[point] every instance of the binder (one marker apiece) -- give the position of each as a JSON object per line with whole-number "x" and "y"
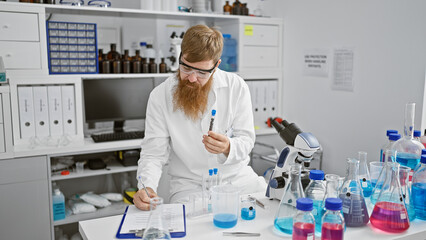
{"x": 41, "y": 111}
{"x": 272, "y": 99}
{"x": 177, "y": 234}
{"x": 55, "y": 110}
{"x": 264, "y": 102}
{"x": 68, "y": 109}
{"x": 26, "y": 112}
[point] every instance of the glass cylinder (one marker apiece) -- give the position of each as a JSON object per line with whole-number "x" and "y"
{"x": 157, "y": 228}
{"x": 364, "y": 175}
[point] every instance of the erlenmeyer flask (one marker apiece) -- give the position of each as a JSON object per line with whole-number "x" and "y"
{"x": 390, "y": 156}
{"x": 157, "y": 228}
{"x": 354, "y": 208}
{"x": 408, "y": 150}
{"x": 404, "y": 175}
{"x": 389, "y": 213}
{"x": 287, "y": 210}
{"x": 364, "y": 175}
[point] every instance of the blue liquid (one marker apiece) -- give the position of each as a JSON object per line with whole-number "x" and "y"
{"x": 317, "y": 212}
{"x": 367, "y": 188}
{"x": 419, "y": 200}
{"x": 408, "y": 159}
{"x": 248, "y": 214}
{"x": 354, "y": 210}
{"x": 225, "y": 220}
{"x": 285, "y": 225}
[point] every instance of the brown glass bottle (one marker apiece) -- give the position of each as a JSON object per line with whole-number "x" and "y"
{"x": 49, "y": 1}
{"x": 116, "y": 65}
{"x": 106, "y": 64}
{"x": 145, "y": 65}
{"x": 244, "y": 9}
{"x": 152, "y": 66}
{"x": 236, "y": 8}
{"x": 126, "y": 62}
{"x": 100, "y": 59}
{"x": 227, "y": 9}
{"x": 113, "y": 52}
{"x": 163, "y": 66}
{"x": 136, "y": 62}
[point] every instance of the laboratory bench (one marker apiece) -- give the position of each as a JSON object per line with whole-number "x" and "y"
{"x": 202, "y": 227}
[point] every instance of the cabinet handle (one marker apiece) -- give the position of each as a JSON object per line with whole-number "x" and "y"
{"x": 8, "y": 55}
{"x": 6, "y": 26}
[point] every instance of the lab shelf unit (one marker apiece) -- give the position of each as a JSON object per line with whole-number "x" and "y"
{"x": 23, "y": 46}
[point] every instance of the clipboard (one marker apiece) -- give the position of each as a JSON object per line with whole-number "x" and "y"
{"x": 120, "y": 235}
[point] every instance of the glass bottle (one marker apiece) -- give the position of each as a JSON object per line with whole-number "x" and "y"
{"x": 393, "y": 137}
{"x": 390, "y": 156}
{"x": 152, "y": 66}
{"x": 331, "y": 191}
{"x": 136, "y": 62}
{"x": 244, "y": 9}
{"x": 354, "y": 207}
{"x": 333, "y": 223}
{"x": 404, "y": 175}
{"x": 126, "y": 62}
{"x": 100, "y": 59}
{"x": 417, "y": 134}
{"x": 163, "y": 66}
{"x": 387, "y": 144}
{"x": 113, "y": 52}
{"x": 58, "y": 201}
{"x": 116, "y": 65}
{"x": 423, "y": 139}
{"x": 419, "y": 189}
{"x": 227, "y": 9}
{"x": 145, "y": 66}
{"x": 408, "y": 151}
{"x": 156, "y": 228}
{"x": 389, "y": 213}
{"x": 106, "y": 64}
{"x": 303, "y": 221}
{"x": 316, "y": 191}
{"x": 236, "y": 8}
{"x": 287, "y": 209}
{"x": 364, "y": 175}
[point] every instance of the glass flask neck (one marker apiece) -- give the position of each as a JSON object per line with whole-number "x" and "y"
{"x": 391, "y": 189}
{"x": 332, "y": 186}
{"x": 410, "y": 109}
{"x": 352, "y": 171}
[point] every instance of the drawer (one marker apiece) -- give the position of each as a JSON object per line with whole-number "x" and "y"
{"x": 255, "y": 57}
{"x": 21, "y": 55}
{"x": 19, "y": 26}
{"x": 23, "y": 169}
{"x": 263, "y": 35}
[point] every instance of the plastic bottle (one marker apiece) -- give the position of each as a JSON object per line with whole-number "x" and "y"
{"x": 149, "y": 52}
{"x": 423, "y": 139}
{"x": 304, "y": 221}
{"x": 58, "y": 200}
{"x": 387, "y": 144}
{"x": 333, "y": 223}
{"x": 142, "y": 46}
{"x": 229, "y": 54}
{"x": 418, "y": 190}
{"x": 316, "y": 191}
{"x": 364, "y": 175}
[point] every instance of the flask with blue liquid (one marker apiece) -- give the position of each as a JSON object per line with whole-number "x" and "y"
{"x": 316, "y": 191}
{"x": 364, "y": 175}
{"x": 387, "y": 144}
{"x": 304, "y": 221}
{"x": 418, "y": 190}
{"x": 333, "y": 223}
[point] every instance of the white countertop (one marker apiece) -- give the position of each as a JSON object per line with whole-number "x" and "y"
{"x": 203, "y": 228}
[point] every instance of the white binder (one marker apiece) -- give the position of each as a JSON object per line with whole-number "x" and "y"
{"x": 55, "y": 110}
{"x": 273, "y": 99}
{"x": 41, "y": 111}
{"x": 26, "y": 112}
{"x": 68, "y": 109}
{"x": 264, "y": 100}
{"x": 254, "y": 103}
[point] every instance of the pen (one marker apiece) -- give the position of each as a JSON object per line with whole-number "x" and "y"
{"x": 143, "y": 185}
{"x": 212, "y": 120}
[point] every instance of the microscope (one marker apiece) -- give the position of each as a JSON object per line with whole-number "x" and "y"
{"x": 175, "y": 49}
{"x": 300, "y": 149}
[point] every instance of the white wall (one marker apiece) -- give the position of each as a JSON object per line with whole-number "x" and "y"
{"x": 389, "y": 39}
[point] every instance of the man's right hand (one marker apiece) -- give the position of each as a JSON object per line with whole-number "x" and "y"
{"x": 141, "y": 200}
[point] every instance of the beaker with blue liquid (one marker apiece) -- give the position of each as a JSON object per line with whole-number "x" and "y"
{"x": 225, "y": 205}
{"x": 408, "y": 150}
{"x": 419, "y": 190}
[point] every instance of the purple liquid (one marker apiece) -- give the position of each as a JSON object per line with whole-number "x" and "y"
{"x": 331, "y": 231}
{"x": 390, "y": 217}
{"x": 354, "y": 210}
{"x": 301, "y": 231}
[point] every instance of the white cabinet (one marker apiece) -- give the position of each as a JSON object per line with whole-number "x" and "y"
{"x": 15, "y": 26}
{"x": 20, "y": 55}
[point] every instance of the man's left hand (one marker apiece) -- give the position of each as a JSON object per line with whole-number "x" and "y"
{"x": 217, "y": 143}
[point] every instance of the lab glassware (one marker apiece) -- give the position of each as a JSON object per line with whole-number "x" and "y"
{"x": 316, "y": 191}
{"x": 408, "y": 150}
{"x": 404, "y": 175}
{"x": 354, "y": 207}
{"x": 375, "y": 169}
{"x": 364, "y": 175}
{"x": 389, "y": 213}
{"x": 304, "y": 221}
{"x": 99, "y": 3}
{"x": 248, "y": 208}
{"x": 287, "y": 209}
{"x": 331, "y": 191}
{"x": 225, "y": 202}
{"x": 387, "y": 144}
{"x": 58, "y": 200}
{"x": 390, "y": 156}
{"x": 72, "y": 2}
{"x": 125, "y": 68}
{"x": 333, "y": 223}
{"x": 156, "y": 228}
{"x": 419, "y": 190}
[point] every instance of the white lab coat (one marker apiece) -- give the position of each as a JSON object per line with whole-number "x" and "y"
{"x": 171, "y": 136}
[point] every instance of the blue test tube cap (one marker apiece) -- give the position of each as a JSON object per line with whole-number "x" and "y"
{"x": 213, "y": 112}
{"x": 394, "y": 136}
{"x": 316, "y": 175}
{"x": 423, "y": 159}
{"x": 226, "y": 35}
{"x": 390, "y": 131}
{"x": 417, "y": 133}
{"x": 334, "y": 204}
{"x": 142, "y": 44}
{"x": 210, "y": 172}
{"x": 304, "y": 204}
{"x": 215, "y": 171}
{"x": 423, "y": 151}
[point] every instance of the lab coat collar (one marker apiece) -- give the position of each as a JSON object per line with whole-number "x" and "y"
{"x": 219, "y": 80}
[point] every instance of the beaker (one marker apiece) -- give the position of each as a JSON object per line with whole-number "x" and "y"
{"x": 364, "y": 175}
{"x": 389, "y": 213}
{"x": 408, "y": 150}
{"x": 375, "y": 169}
{"x": 390, "y": 156}
{"x": 248, "y": 208}
{"x": 225, "y": 201}
{"x": 404, "y": 175}
{"x": 354, "y": 207}
{"x": 156, "y": 228}
{"x": 287, "y": 209}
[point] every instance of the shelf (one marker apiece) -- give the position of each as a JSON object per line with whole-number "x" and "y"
{"x": 131, "y": 75}
{"x": 114, "y": 209}
{"x": 113, "y": 167}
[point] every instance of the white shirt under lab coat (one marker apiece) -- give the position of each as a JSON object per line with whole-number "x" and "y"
{"x": 172, "y": 137}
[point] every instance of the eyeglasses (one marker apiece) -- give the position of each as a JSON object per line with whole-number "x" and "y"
{"x": 201, "y": 73}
